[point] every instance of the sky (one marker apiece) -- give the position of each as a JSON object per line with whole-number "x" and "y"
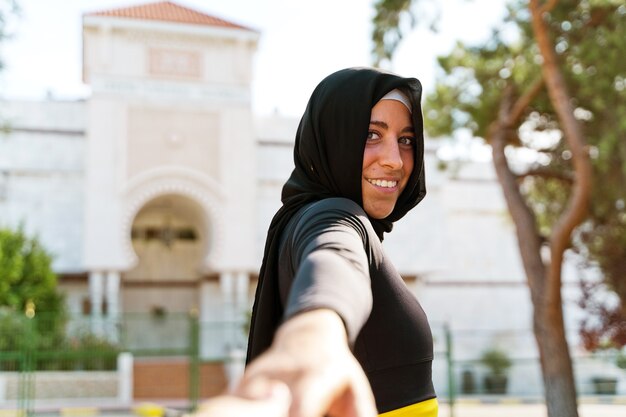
{"x": 301, "y": 42}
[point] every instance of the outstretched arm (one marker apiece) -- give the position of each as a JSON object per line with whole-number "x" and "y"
{"x": 310, "y": 354}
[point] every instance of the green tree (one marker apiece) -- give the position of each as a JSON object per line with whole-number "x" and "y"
{"x": 25, "y": 268}
{"x": 28, "y": 286}
{"x": 558, "y": 89}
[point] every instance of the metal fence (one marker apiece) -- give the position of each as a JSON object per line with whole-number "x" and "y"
{"x": 177, "y": 360}
{"x": 491, "y": 364}
{"x": 47, "y": 361}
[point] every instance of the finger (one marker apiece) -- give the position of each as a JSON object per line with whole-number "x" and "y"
{"x": 278, "y": 392}
{"x": 313, "y": 397}
{"x": 340, "y": 390}
{"x": 275, "y": 403}
{"x": 319, "y": 393}
{"x": 260, "y": 387}
{"x": 362, "y": 401}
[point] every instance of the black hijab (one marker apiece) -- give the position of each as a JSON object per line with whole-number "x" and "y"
{"x": 328, "y": 157}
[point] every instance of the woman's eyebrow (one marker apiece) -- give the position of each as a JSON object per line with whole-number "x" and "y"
{"x": 380, "y": 124}
{"x": 408, "y": 129}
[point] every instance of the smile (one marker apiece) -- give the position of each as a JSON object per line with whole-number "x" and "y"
{"x": 383, "y": 183}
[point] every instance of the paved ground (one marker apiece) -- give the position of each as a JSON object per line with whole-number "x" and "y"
{"x": 461, "y": 410}
{"x": 472, "y": 407}
{"x": 529, "y": 410}
{"x": 500, "y": 410}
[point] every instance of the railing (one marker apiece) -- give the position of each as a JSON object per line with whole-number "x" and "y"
{"x": 177, "y": 360}
{"x": 461, "y": 370}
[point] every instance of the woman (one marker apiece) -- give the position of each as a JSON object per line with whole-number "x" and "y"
{"x": 327, "y": 294}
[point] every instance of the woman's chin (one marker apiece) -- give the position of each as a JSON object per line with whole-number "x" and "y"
{"x": 378, "y": 213}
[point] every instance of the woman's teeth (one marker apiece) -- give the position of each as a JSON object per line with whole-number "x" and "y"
{"x": 383, "y": 183}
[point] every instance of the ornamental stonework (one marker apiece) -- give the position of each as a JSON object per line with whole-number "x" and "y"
{"x": 174, "y": 63}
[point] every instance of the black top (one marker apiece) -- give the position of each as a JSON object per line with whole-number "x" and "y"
{"x": 332, "y": 258}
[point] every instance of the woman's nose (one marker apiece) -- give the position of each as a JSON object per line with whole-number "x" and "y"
{"x": 390, "y": 155}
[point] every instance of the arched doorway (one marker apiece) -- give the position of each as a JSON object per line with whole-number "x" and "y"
{"x": 169, "y": 235}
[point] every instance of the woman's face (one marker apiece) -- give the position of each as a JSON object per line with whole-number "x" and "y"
{"x": 388, "y": 157}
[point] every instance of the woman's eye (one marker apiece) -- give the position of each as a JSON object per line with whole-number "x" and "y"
{"x": 406, "y": 140}
{"x": 371, "y": 135}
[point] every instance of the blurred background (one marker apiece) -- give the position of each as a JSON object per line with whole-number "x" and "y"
{"x": 142, "y": 154}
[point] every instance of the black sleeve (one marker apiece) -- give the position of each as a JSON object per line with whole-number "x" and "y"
{"x": 329, "y": 260}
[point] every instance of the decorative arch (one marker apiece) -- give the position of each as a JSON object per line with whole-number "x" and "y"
{"x": 174, "y": 181}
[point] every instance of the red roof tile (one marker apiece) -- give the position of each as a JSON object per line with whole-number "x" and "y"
{"x": 167, "y": 11}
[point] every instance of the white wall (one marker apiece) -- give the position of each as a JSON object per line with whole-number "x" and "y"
{"x": 41, "y": 170}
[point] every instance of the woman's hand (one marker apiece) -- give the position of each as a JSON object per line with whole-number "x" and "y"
{"x": 266, "y": 399}
{"x": 310, "y": 355}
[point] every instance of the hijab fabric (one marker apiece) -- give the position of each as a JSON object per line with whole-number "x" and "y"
{"x": 328, "y": 158}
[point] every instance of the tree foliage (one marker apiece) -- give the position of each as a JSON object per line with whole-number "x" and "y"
{"x": 395, "y": 17}
{"x": 597, "y": 69}
{"x": 26, "y": 271}
{"x": 387, "y": 29}
{"x": 550, "y": 80}
{"x": 33, "y": 316}
{"x": 589, "y": 37}
{"x": 28, "y": 286}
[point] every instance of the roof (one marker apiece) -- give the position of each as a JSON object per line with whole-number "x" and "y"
{"x": 167, "y": 11}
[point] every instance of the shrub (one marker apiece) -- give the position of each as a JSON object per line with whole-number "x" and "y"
{"x": 496, "y": 360}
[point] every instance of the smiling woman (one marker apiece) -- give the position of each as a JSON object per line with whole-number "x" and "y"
{"x": 388, "y": 156}
{"x": 328, "y": 296}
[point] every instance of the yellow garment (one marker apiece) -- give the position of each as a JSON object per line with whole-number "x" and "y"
{"x": 428, "y": 408}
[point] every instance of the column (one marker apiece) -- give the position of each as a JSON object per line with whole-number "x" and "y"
{"x": 112, "y": 296}
{"x": 207, "y": 318}
{"x": 96, "y": 294}
{"x": 237, "y": 293}
{"x": 113, "y": 293}
{"x": 242, "y": 284}
{"x": 227, "y": 289}
{"x": 125, "y": 378}
{"x": 205, "y": 302}
{"x": 227, "y": 324}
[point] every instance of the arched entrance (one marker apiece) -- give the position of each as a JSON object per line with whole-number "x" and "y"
{"x": 169, "y": 236}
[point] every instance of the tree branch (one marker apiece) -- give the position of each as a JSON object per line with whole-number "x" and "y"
{"x": 577, "y": 206}
{"x": 548, "y": 150}
{"x": 547, "y": 173}
{"x": 522, "y": 103}
{"x": 528, "y": 237}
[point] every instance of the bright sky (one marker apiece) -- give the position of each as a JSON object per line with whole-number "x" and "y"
{"x": 301, "y": 42}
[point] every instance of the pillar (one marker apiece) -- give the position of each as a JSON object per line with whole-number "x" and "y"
{"x": 125, "y": 378}
{"x": 96, "y": 296}
{"x": 242, "y": 284}
{"x": 227, "y": 290}
{"x": 112, "y": 297}
{"x": 113, "y": 294}
{"x": 207, "y": 320}
{"x": 227, "y": 325}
